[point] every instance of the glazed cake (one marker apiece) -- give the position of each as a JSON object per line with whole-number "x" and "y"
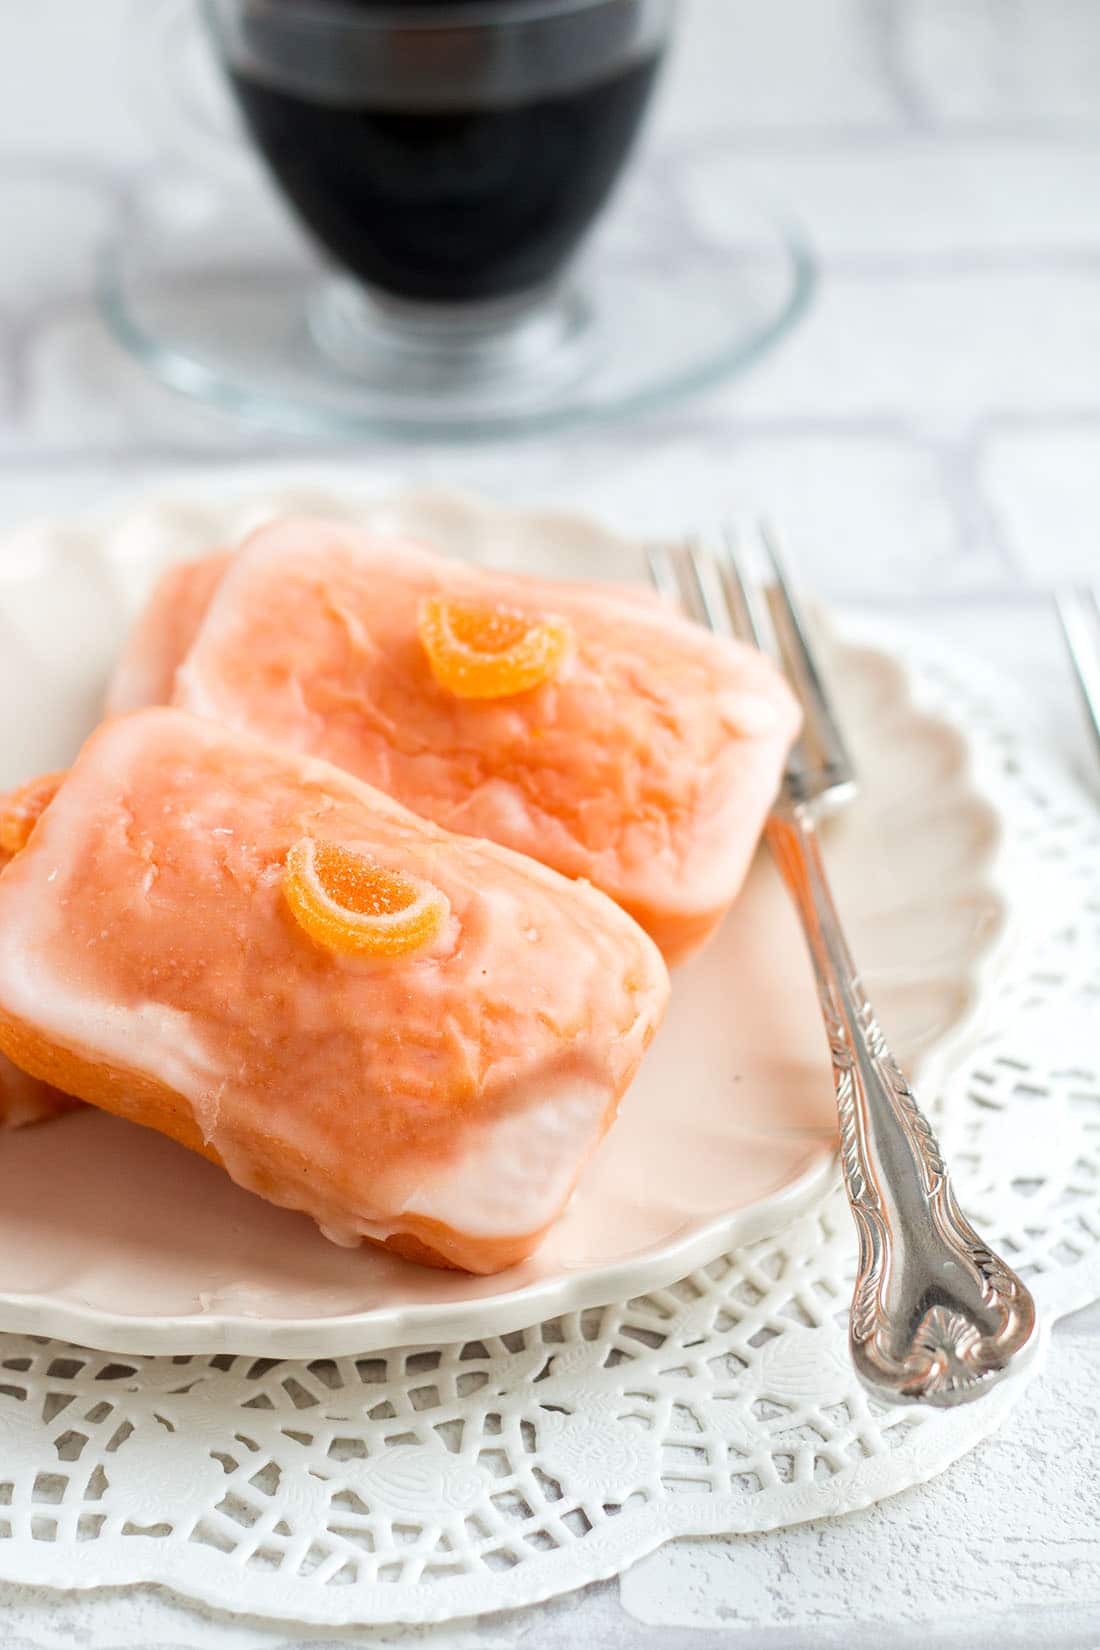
{"x": 584, "y": 725}
{"x": 411, "y": 1036}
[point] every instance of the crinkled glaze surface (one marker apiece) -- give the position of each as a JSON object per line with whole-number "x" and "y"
{"x": 145, "y": 928}
{"x": 646, "y": 765}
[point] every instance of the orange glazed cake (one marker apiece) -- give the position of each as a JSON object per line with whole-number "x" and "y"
{"x": 145, "y": 672}
{"x": 411, "y": 1036}
{"x": 584, "y": 725}
{"x": 23, "y": 1099}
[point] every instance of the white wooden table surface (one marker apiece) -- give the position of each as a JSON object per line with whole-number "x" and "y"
{"x": 930, "y": 437}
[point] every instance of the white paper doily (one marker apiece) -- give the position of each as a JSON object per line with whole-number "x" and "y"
{"x": 450, "y": 1481}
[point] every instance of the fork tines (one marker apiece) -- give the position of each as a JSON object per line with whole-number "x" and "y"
{"x": 717, "y": 585}
{"x": 1079, "y": 614}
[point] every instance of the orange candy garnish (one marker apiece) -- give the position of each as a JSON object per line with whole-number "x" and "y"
{"x": 20, "y": 809}
{"x": 347, "y": 903}
{"x": 489, "y": 652}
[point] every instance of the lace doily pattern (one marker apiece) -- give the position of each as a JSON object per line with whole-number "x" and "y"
{"x": 446, "y": 1481}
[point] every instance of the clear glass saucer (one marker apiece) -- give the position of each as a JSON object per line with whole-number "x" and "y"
{"x": 215, "y": 291}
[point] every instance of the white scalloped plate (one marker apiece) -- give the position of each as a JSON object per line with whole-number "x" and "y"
{"x": 114, "y": 1236}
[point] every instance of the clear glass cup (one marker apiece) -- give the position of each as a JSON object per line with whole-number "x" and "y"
{"x": 450, "y": 160}
{"x": 386, "y": 221}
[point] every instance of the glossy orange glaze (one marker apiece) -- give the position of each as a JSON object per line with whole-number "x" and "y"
{"x": 150, "y": 964}
{"x": 158, "y": 643}
{"x": 20, "y": 810}
{"x": 645, "y": 765}
{"x": 146, "y": 668}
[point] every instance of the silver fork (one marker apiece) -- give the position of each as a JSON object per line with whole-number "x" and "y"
{"x": 936, "y": 1315}
{"x": 1079, "y": 615}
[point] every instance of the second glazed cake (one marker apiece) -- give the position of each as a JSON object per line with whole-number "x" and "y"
{"x": 597, "y": 732}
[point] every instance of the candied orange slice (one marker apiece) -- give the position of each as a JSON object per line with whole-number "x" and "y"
{"x": 347, "y": 903}
{"x": 19, "y": 811}
{"x": 479, "y": 651}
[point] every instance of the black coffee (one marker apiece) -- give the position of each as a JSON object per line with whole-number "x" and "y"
{"x": 450, "y": 204}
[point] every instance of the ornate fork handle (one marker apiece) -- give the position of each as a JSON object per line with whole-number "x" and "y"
{"x": 936, "y": 1315}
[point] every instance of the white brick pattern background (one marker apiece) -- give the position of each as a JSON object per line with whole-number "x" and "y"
{"x": 930, "y": 439}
